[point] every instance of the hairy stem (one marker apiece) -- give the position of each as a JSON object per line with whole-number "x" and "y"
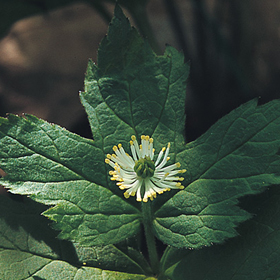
{"x": 150, "y": 238}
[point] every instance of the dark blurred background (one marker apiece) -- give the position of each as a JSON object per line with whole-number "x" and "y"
{"x": 232, "y": 46}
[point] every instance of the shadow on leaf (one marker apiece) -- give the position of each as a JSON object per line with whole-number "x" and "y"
{"x": 23, "y": 228}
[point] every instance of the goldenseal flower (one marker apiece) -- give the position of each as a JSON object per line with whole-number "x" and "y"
{"x": 139, "y": 175}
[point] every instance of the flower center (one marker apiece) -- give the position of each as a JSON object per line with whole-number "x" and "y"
{"x": 144, "y": 167}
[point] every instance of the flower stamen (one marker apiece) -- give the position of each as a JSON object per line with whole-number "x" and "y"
{"x": 139, "y": 175}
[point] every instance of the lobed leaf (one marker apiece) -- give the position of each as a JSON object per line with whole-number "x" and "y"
{"x": 133, "y": 91}
{"x": 40, "y": 268}
{"x": 29, "y": 249}
{"x": 237, "y": 156}
{"x": 56, "y": 167}
{"x": 255, "y": 254}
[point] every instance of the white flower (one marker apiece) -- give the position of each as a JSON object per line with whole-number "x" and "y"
{"x": 139, "y": 175}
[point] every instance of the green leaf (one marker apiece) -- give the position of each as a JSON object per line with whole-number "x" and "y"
{"x": 29, "y": 248}
{"x": 112, "y": 258}
{"x": 66, "y": 271}
{"x": 133, "y": 91}
{"x": 254, "y": 255}
{"x": 56, "y": 167}
{"x": 237, "y": 156}
{"x": 26, "y": 242}
{"x": 39, "y": 268}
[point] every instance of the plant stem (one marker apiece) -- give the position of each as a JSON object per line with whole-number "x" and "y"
{"x": 150, "y": 238}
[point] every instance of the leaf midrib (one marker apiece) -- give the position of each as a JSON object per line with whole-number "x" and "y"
{"x": 235, "y": 149}
{"x": 82, "y": 176}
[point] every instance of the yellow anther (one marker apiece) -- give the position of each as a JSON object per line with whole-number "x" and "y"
{"x": 117, "y": 168}
{"x": 118, "y": 161}
{"x": 126, "y": 195}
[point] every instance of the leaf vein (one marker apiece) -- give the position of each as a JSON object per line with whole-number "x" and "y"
{"x": 51, "y": 159}
{"x": 238, "y": 146}
{"x": 165, "y": 100}
{"x": 114, "y": 113}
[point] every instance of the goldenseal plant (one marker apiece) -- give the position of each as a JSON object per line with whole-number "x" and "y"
{"x": 75, "y": 221}
{"x": 139, "y": 174}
